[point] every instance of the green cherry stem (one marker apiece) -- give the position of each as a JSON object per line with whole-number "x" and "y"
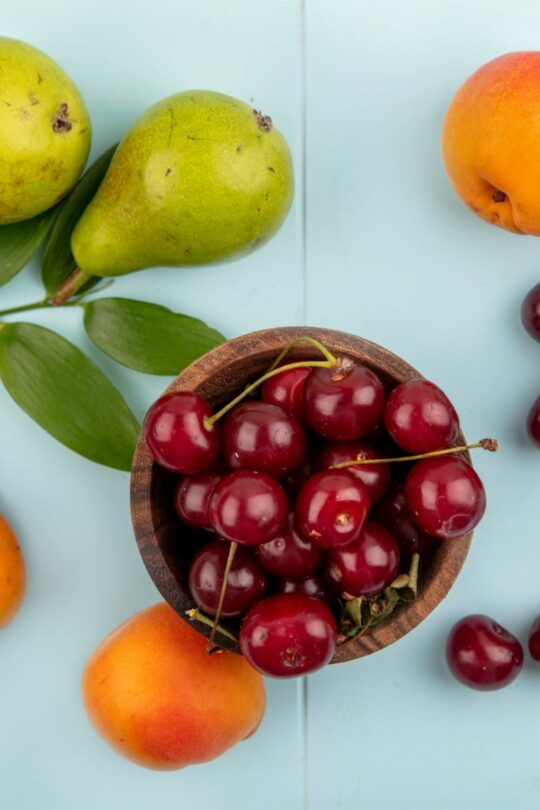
{"x": 484, "y": 444}
{"x": 304, "y": 339}
{"x": 228, "y": 564}
{"x": 197, "y": 615}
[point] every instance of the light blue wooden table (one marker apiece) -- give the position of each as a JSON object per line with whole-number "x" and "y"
{"x": 377, "y": 245}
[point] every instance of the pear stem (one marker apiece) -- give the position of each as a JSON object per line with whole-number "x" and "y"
{"x": 70, "y": 287}
{"x": 46, "y": 303}
{"x": 228, "y": 564}
{"x": 484, "y": 444}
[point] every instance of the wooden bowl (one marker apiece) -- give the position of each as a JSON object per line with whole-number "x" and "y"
{"x": 217, "y": 377}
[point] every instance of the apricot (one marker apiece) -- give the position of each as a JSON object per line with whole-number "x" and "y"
{"x": 154, "y": 694}
{"x": 491, "y": 142}
{"x": 12, "y": 574}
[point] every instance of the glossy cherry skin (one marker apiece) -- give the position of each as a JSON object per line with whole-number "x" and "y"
{"x": 444, "y": 496}
{"x": 533, "y": 423}
{"x": 176, "y": 435}
{"x": 192, "y": 497}
{"x": 375, "y": 477}
{"x": 314, "y": 585}
{"x": 288, "y": 634}
{"x": 248, "y": 507}
{"x": 365, "y": 566}
{"x": 534, "y": 640}
{"x": 482, "y": 654}
{"x": 343, "y": 403}
{"x": 419, "y": 417}
{"x": 286, "y": 390}
{"x": 331, "y": 508}
{"x": 290, "y": 555}
{"x": 392, "y": 513}
{"x": 261, "y": 436}
{"x": 530, "y": 312}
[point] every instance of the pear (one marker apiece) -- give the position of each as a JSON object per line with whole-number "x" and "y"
{"x": 44, "y": 132}
{"x": 201, "y": 177}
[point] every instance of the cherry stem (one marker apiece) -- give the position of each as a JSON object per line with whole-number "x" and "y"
{"x": 70, "y": 287}
{"x": 228, "y": 564}
{"x": 484, "y": 444}
{"x": 197, "y": 615}
{"x": 304, "y": 339}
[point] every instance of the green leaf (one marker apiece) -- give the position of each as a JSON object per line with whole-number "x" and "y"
{"x": 147, "y": 337}
{"x": 19, "y": 242}
{"x": 65, "y": 393}
{"x": 58, "y": 262}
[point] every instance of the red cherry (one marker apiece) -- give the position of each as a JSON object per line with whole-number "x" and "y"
{"x": 482, "y": 654}
{"x": 392, "y": 513}
{"x": 176, "y": 435}
{"x": 444, "y": 496}
{"x": 289, "y": 555}
{"x": 310, "y": 586}
{"x": 286, "y": 390}
{"x": 534, "y": 640}
{"x": 192, "y": 497}
{"x": 246, "y": 584}
{"x": 419, "y": 417}
{"x": 533, "y": 422}
{"x": 375, "y": 477}
{"x": 248, "y": 507}
{"x": 289, "y": 634}
{"x": 343, "y": 403}
{"x": 530, "y": 312}
{"x": 367, "y": 565}
{"x": 260, "y": 436}
{"x": 331, "y": 508}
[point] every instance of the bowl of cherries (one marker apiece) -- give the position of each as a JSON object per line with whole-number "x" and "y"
{"x": 304, "y": 497}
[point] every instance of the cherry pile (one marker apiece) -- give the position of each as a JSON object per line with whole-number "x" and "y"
{"x": 301, "y": 501}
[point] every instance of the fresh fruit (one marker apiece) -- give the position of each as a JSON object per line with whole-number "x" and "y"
{"x": 444, "y": 496}
{"x": 248, "y": 507}
{"x": 534, "y": 640}
{"x": 176, "y": 434}
{"x": 44, "y": 132}
{"x": 201, "y": 177}
{"x": 367, "y": 565}
{"x": 261, "y": 436}
{"x": 192, "y": 497}
{"x": 286, "y": 389}
{"x": 314, "y": 585}
{"x": 12, "y": 574}
{"x": 154, "y": 694}
{"x": 491, "y": 142}
{"x": 419, "y": 417}
{"x": 290, "y": 555}
{"x": 533, "y": 422}
{"x": 392, "y": 513}
{"x": 288, "y": 635}
{"x": 375, "y": 477}
{"x": 530, "y": 312}
{"x": 482, "y": 654}
{"x": 246, "y": 584}
{"x": 331, "y": 508}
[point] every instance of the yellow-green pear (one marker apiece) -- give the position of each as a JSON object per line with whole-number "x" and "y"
{"x": 201, "y": 177}
{"x": 44, "y": 132}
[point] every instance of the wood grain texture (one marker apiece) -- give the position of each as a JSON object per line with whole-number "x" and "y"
{"x": 167, "y": 546}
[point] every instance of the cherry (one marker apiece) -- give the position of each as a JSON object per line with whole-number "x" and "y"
{"x": 289, "y": 555}
{"x": 289, "y": 634}
{"x": 192, "y": 497}
{"x": 444, "y": 496}
{"x": 534, "y": 640}
{"x": 533, "y": 422}
{"x": 248, "y": 507}
{"x": 176, "y": 435}
{"x": 260, "y": 436}
{"x": 419, "y": 417}
{"x": 530, "y": 312}
{"x": 309, "y": 586}
{"x": 286, "y": 390}
{"x": 367, "y": 565}
{"x": 392, "y": 513}
{"x": 246, "y": 584}
{"x": 343, "y": 403}
{"x": 482, "y": 654}
{"x": 331, "y": 508}
{"x": 375, "y": 477}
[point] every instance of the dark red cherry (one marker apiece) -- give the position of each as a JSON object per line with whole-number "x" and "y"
{"x": 530, "y": 312}
{"x": 419, "y": 417}
{"x": 176, "y": 435}
{"x": 192, "y": 497}
{"x": 289, "y": 555}
{"x": 246, "y": 584}
{"x": 289, "y": 634}
{"x": 375, "y": 477}
{"x": 286, "y": 390}
{"x": 367, "y": 565}
{"x": 315, "y": 585}
{"x": 248, "y": 507}
{"x": 482, "y": 654}
{"x": 444, "y": 496}
{"x": 343, "y": 403}
{"x": 534, "y": 640}
{"x": 260, "y": 436}
{"x": 331, "y": 508}
{"x": 392, "y": 513}
{"x": 533, "y": 422}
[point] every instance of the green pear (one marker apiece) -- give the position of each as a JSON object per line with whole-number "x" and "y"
{"x": 44, "y": 132}
{"x": 201, "y": 177}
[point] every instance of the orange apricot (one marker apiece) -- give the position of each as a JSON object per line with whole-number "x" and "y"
{"x": 12, "y": 574}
